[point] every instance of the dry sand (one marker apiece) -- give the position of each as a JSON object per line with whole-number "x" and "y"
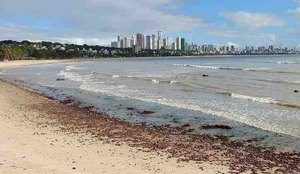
{"x": 28, "y": 145}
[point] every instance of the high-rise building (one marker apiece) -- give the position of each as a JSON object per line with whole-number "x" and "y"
{"x": 169, "y": 43}
{"x": 127, "y": 42}
{"x": 122, "y": 43}
{"x": 178, "y": 43}
{"x": 183, "y": 44}
{"x": 210, "y": 48}
{"x": 154, "y": 42}
{"x": 148, "y": 42}
{"x": 119, "y": 38}
{"x": 132, "y": 41}
{"x": 140, "y": 41}
{"x": 173, "y": 46}
{"x": 232, "y": 48}
{"x": 159, "y": 40}
{"x": 165, "y": 43}
{"x": 114, "y": 44}
{"x": 159, "y": 35}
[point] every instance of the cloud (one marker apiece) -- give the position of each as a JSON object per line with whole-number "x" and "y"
{"x": 295, "y": 12}
{"x": 256, "y": 37}
{"x": 253, "y": 20}
{"x": 100, "y": 19}
{"x": 15, "y": 32}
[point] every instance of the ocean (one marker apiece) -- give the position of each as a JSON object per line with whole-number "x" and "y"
{"x": 255, "y": 95}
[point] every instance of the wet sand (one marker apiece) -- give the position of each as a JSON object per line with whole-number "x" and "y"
{"x": 40, "y": 135}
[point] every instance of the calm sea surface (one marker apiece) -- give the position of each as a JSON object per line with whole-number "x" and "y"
{"x": 253, "y": 94}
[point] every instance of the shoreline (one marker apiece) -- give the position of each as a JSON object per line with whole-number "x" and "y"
{"x": 39, "y": 135}
{"x": 196, "y": 151}
{"x": 18, "y": 63}
{"x": 21, "y": 63}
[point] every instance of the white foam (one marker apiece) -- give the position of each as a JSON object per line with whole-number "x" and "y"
{"x": 197, "y": 66}
{"x": 155, "y": 81}
{"x": 121, "y": 91}
{"x": 285, "y": 62}
{"x": 255, "y": 99}
{"x": 220, "y": 67}
{"x": 72, "y": 67}
{"x": 255, "y": 69}
{"x": 75, "y": 76}
{"x": 173, "y": 81}
{"x": 115, "y": 76}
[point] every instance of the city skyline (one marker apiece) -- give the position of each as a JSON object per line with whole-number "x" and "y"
{"x": 257, "y": 23}
{"x": 158, "y": 42}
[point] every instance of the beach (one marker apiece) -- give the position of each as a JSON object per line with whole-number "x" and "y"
{"x": 30, "y": 143}
{"x": 40, "y": 134}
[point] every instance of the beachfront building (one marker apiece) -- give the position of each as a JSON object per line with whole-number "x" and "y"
{"x": 159, "y": 40}
{"x": 173, "y": 47}
{"x": 154, "y": 42}
{"x": 140, "y": 41}
{"x": 127, "y": 42}
{"x": 114, "y": 44}
{"x": 183, "y": 44}
{"x": 169, "y": 43}
{"x": 148, "y": 42}
{"x": 132, "y": 41}
{"x": 178, "y": 43}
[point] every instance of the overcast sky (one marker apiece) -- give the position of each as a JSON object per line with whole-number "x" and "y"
{"x": 251, "y": 22}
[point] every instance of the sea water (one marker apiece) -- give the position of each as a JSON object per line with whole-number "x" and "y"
{"x": 252, "y": 94}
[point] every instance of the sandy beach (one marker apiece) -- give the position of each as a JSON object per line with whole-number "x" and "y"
{"x": 29, "y": 143}
{"x": 41, "y": 135}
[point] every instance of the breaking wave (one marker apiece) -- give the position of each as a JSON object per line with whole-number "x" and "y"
{"x": 267, "y": 70}
{"x": 265, "y": 100}
{"x": 286, "y": 62}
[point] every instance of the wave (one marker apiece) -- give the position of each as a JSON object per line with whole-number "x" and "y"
{"x": 220, "y": 67}
{"x": 139, "y": 95}
{"x": 115, "y": 76}
{"x": 267, "y": 70}
{"x": 171, "y": 82}
{"x": 286, "y": 62}
{"x": 74, "y": 76}
{"x": 197, "y": 66}
{"x": 155, "y": 81}
{"x": 279, "y": 81}
{"x": 255, "y": 99}
{"x": 72, "y": 67}
{"x": 265, "y": 100}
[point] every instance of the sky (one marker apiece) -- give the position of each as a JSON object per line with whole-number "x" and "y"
{"x": 98, "y": 22}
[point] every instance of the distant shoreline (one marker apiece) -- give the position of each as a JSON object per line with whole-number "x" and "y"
{"x": 26, "y": 62}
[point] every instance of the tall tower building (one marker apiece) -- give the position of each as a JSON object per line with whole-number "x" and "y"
{"x": 169, "y": 43}
{"x": 122, "y": 43}
{"x": 178, "y": 43}
{"x": 154, "y": 42}
{"x": 165, "y": 43}
{"x": 159, "y": 35}
{"x": 119, "y": 40}
{"x": 148, "y": 42}
{"x": 183, "y": 44}
{"x": 173, "y": 46}
{"x": 159, "y": 40}
{"x": 127, "y": 42}
{"x": 140, "y": 41}
{"x": 114, "y": 44}
{"x": 132, "y": 41}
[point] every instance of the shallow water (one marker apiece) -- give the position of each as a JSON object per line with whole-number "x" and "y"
{"x": 253, "y": 94}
